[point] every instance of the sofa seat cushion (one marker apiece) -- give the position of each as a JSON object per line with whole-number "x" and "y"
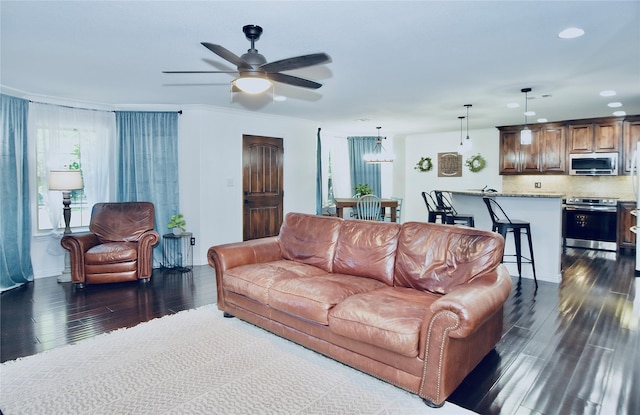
{"x": 313, "y": 297}
{"x": 112, "y": 252}
{"x": 255, "y": 280}
{"x": 389, "y": 318}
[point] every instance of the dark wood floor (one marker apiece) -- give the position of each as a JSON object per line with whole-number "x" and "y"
{"x": 569, "y": 348}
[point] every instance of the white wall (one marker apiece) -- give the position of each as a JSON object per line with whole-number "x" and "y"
{"x": 210, "y": 159}
{"x": 485, "y": 142}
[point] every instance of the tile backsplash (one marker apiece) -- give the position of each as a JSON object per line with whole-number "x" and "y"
{"x": 581, "y": 186}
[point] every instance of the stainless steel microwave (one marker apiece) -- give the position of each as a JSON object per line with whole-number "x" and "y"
{"x": 593, "y": 164}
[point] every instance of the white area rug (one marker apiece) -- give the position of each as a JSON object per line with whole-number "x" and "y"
{"x": 196, "y": 362}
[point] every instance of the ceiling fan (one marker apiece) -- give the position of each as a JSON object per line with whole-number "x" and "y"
{"x": 255, "y": 73}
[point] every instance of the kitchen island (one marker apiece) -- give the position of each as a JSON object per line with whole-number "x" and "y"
{"x": 542, "y": 210}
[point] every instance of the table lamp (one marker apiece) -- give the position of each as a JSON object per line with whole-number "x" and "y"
{"x": 65, "y": 181}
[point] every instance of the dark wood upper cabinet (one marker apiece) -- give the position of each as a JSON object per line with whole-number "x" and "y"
{"x": 554, "y": 141}
{"x": 516, "y": 158}
{"x": 630, "y": 137}
{"x": 545, "y": 154}
{"x": 597, "y": 135}
{"x": 553, "y": 144}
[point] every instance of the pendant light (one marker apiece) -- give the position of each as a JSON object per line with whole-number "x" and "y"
{"x": 461, "y": 145}
{"x": 468, "y": 144}
{"x": 379, "y": 154}
{"x": 525, "y": 135}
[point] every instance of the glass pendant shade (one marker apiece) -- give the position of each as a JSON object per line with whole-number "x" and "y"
{"x": 526, "y": 136}
{"x": 252, "y": 85}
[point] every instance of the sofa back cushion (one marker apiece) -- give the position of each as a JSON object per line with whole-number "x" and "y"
{"x": 309, "y": 239}
{"x": 437, "y": 258}
{"x": 367, "y": 249}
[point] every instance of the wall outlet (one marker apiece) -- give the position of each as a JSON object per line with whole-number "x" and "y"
{"x": 193, "y": 241}
{"x": 538, "y": 185}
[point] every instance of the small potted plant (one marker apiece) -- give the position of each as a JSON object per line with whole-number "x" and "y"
{"x": 363, "y": 189}
{"x": 177, "y": 224}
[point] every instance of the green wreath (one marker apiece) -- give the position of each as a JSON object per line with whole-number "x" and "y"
{"x": 476, "y": 163}
{"x": 425, "y": 164}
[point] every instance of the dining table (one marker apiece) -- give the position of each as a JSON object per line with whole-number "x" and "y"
{"x": 350, "y": 202}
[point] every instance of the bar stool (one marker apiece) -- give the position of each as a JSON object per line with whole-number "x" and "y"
{"x": 433, "y": 213}
{"x": 452, "y": 216}
{"x": 502, "y": 224}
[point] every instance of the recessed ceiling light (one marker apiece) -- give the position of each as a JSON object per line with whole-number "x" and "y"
{"x": 279, "y": 98}
{"x": 607, "y": 93}
{"x": 530, "y": 113}
{"x": 614, "y": 104}
{"x": 619, "y": 113}
{"x": 571, "y": 33}
{"x": 513, "y": 105}
{"x": 542, "y": 120}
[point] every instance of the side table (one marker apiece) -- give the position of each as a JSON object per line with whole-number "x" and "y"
{"x": 177, "y": 251}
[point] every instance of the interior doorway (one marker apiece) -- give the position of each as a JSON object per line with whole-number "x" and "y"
{"x": 262, "y": 186}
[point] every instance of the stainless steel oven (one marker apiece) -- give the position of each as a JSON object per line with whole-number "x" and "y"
{"x": 590, "y": 223}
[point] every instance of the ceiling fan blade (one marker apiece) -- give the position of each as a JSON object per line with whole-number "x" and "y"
{"x": 296, "y": 62}
{"x": 227, "y": 55}
{"x": 199, "y": 71}
{"x": 293, "y": 80}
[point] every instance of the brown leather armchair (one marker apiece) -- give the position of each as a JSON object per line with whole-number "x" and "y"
{"x": 118, "y": 246}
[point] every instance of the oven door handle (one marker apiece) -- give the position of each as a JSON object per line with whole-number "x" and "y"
{"x": 592, "y": 209}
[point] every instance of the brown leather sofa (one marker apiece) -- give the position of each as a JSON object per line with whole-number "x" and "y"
{"x": 417, "y": 305}
{"x": 118, "y": 246}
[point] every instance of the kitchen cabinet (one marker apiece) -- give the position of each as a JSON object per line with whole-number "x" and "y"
{"x": 552, "y": 148}
{"x": 516, "y": 158}
{"x": 626, "y": 238}
{"x": 630, "y": 136}
{"x": 545, "y": 154}
{"x": 595, "y": 135}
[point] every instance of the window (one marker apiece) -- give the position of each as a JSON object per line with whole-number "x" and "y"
{"x": 68, "y": 154}
{"x": 75, "y": 139}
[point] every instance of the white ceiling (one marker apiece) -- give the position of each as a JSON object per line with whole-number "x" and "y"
{"x": 409, "y": 67}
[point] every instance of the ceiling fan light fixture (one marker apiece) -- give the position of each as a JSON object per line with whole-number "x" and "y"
{"x": 252, "y": 85}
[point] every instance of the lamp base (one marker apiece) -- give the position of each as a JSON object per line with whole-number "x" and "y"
{"x": 66, "y": 272}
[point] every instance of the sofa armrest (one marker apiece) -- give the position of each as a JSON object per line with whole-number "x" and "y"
{"x": 224, "y": 257}
{"x": 256, "y": 251}
{"x": 475, "y": 302}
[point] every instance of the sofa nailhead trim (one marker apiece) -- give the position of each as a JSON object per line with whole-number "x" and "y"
{"x": 426, "y": 352}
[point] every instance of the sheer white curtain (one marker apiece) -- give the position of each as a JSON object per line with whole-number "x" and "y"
{"x": 338, "y": 148}
{"x": 50, "y": 130}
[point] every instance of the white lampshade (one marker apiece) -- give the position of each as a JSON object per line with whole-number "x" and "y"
{"x": 525, "y": 136}
{"x": 252, "y": 85}
{"x": 65, "y": 180}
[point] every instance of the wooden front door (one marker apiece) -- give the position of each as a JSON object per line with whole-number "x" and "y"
{"x": 262, "y": 186}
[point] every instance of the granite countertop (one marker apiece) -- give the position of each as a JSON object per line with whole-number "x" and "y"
{"x": 479, "y": 192}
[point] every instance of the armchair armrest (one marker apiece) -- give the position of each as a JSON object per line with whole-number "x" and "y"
{"x": 146, "y": 242}
{"x": 475, "y": 302}
{"x": 77, "y": 244}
